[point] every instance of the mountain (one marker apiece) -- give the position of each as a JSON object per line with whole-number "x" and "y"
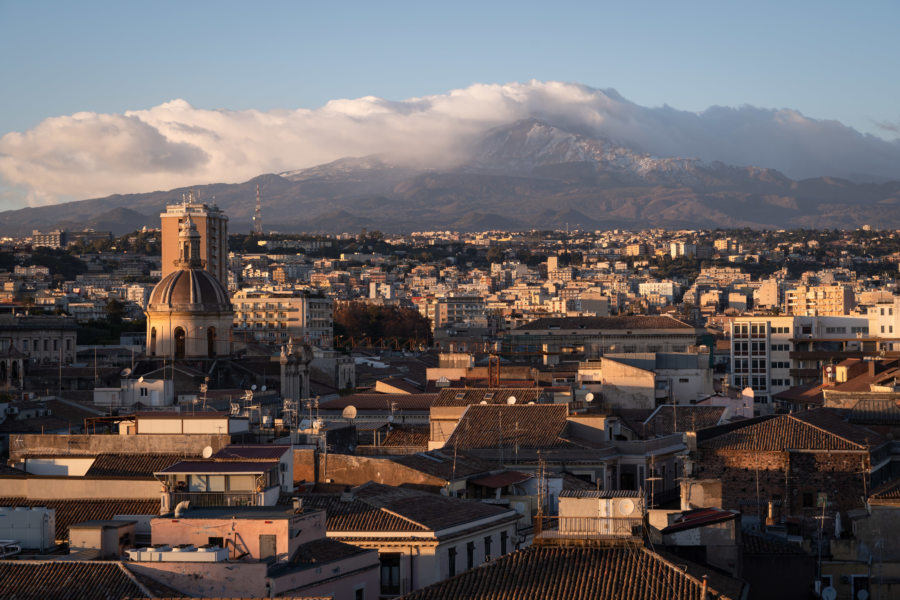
{"x": 529, "y": 174}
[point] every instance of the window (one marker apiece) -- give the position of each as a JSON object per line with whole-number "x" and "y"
{"x": 451, "y": 557}
{"x": 503, "y": 536}
{"x": 487, "y": 548}
{"x": 390, "y": 572}
{"x": 470, "y": 555}
{"x": 359, "y": 593}
{"x": 216, "y": 541}
{"x": 143, "y": 391}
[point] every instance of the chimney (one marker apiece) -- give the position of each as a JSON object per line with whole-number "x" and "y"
{"x": 298, "y": 504}
{"x": 347, "y": 494}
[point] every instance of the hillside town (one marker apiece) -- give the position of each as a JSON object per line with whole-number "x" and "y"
{"x": 681, "y": 414}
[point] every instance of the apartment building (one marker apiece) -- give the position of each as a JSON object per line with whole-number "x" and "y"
{"x": 212, "y": 225}
{"x": 819, "y": 300}
{"x": 772, "y": 354}
{"x": 274, "y": 317}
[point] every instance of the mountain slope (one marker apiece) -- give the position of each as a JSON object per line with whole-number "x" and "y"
{"x": 526, "y": 175}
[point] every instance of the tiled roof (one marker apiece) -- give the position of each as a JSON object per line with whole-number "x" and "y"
{"x": 251, "y": 452}
{"x": 818, "y": 429}
{"x": 809, "y": 394}
{"x": 619, "y": 322}
{"x": 493, "y": 426}
{"x": 595, "y": 493}
{"x": 211, "y": 466}
{"x": 876, "y": 411}
{"x": 66, "y": 580}
{"x": 666, "y": 420}
{"x": 445, "y": 464}
{"x": 700, "y": 517}
{"x": 469, "y": 396}
{"x": 383, "y": 508}
{"x": 407, "y": 436}
{"x": 755, "y": 543}
{"x": 322, "y": 550}
{"x": 888, "y": 492}
{"x": 69, "y": 512}
{"x": 131, "y": 465}
{"x": 564, "y": 573}
{"x": 355, "y": 515}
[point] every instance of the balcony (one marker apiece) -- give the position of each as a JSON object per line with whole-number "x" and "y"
{"x": 209, "y": 499}
{"x": 594, "y": 528}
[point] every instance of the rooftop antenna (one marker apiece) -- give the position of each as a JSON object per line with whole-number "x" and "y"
{"x": 257, "y": 215}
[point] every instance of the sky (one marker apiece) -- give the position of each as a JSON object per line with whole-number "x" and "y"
{"x": 827, "y": 61}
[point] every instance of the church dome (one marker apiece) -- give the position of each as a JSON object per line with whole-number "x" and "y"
{"x": 191, "y": 290}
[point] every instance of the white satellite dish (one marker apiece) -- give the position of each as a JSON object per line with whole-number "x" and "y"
{"x": 253, "y": 387}
{"x": 829, "y": 593}
{"x": 589, "y": 397}
{"x": 125, "y": 372}
{"x": 511, "y": 400}
{"x": 483, "y": 402}
{"x": 141, "y": 379}
{"x": 207, "y": 452}
{"x": 263, "y": 388}
{"x": 349, "y": 412}
{"x": 390, "y": 418}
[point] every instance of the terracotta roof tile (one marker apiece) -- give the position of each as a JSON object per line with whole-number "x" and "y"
{"x": 131, "y": 465}
{"x": 493, "y": 426}
{"x": 563, "y": 573}
{"x": 66, "y": 580}
{"x": 70, "y": 512}
{"x": 818, "y": 429}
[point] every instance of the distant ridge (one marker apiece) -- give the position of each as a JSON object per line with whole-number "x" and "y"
{"x": 527, "y": 175}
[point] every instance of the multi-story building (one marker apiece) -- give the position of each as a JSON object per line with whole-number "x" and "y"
{"x": 772, "y": 354}
{"x": 819, "y": 300}
{"x": 459, "y": 310}
{"x": 41, "y": 339}
{"x": 53, "y": 239}
{"x": 276, "y": 316}
{"x": 212, "y": 225}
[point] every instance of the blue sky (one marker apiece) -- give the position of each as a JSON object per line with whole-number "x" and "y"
{"x": 251, "y": 80}
{"x": 828, "y": 60}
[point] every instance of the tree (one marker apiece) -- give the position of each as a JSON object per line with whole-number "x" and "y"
{"x": 494, "y": 254}
{"x": 115, "y": 311}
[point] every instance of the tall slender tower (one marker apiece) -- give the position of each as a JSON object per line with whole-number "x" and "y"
{"x": 257, "y": 216}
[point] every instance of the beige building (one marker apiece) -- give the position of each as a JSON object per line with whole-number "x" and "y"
{"x": 41, "y": 339}
{"x": 276, "y": 316}
{"x": 819, "y": 300}
{"x": 212, "y": 225}
{"x": 189, "y": 314}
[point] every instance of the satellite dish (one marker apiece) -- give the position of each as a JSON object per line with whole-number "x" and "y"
{"x": 483, "y": 402}
{"x": 349, "y": 412}
{"x": 390, "y": 418}
{"x": 589, "y": 397}
{"x": 263, "y": 388}
{"x": 141, "y": 379}
{"x": 531, "y": 404}
{"x": 207, "y": 452}
{"x": 253, "y": 387}
{"x": 829, "y": 593}
{"x": 626, "y": 507}
{"x": 125, "y": 372}
{"x": 511, "y": 400}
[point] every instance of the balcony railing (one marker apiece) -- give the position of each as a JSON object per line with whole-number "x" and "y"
{"x": 209, "y": 499}
{"x": 590, "y": 527}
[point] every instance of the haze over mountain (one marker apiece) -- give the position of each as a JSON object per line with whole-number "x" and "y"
{"x": 174, "y": 144}
{"x": 524, "y": 175}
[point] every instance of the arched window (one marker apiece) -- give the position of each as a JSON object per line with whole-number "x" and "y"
{"x": 211, "y": 342}
{"x": 180, "y": 341}
{"x": 153, "y": 341}
{"x": 3, "y": 372}
{"x": 15, "y": 371}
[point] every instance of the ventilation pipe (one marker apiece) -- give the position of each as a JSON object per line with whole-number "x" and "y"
{"x": 181, "y": 508}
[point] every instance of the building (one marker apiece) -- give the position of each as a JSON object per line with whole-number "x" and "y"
{"x": 53, "y": 239}
{"x": 189, "y": 314}
{"x": 772, "y": 354}
{"x": 594, "y": 336}
{"x": 275, "y": 317}
{"x": 212, "y": 225}
{"x": 40, "y": 339}
{"x": 819, "y": 300}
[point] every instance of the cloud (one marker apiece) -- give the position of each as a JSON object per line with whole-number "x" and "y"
{"x": 175, "y": 144}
